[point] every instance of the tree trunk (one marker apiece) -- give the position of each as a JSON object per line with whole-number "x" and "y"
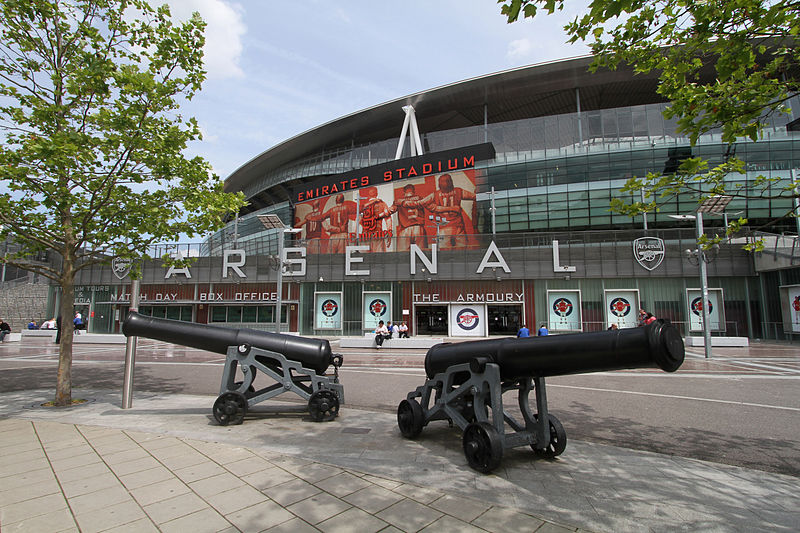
{"x": 64, "y": 378}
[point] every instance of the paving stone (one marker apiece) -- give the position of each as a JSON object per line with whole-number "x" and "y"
{"x": 199, "y": 471}
{"x": 125, "y": 456}
{"x": 422, "y": 495}
{"x": 32, "y": 508}
{"x": 172, "y": 508}
{"x": 76, "y": 461}
{"x": 268, "y": 478}
{"x": 215, "y": 484}
{"x": 291, "y": 492}
{"x": 97, "y": 500}
{"x": 373, "y": 498}
{"x": 319, "y": 508}
{"x": 137, "y": 465}
{"x": 29, "y": 492}
{"x": 203, "y": 521}
{"x": 342, "y": 484}
{"x": 499, "y": 519}
{"x": 163, "y": 490}
{"x": 295, "y": 525}
{"x": 109, "y": 517}
{"x": 51, "y": 522}
{"x": 451, "y": 524}
{"x": 259, "y": 517}
{"x": 235, "y": 499}
{"x": 409, "y": 515}
{"x": 248, "y": 466}
{"x": 145, "y": 477}
{"x": 95, "y": 469}
{"x": 90, "y": 484}
{"x": 352, "y": 520}
{"x": 465, "y": 509}
{"x": 182, "y": 461}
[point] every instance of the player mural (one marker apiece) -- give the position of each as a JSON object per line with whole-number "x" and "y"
{"x": 621, "y": 307}
{"x": 392, "y": 217}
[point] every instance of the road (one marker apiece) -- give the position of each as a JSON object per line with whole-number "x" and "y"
{"x": 742, "y": 407}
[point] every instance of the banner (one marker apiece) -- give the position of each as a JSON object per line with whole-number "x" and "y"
{"x": 716, "y": 309}
{"x": 377, "y": 306}
{"x": 622, "y": 307}
{"x": 328, "y": 310}
{"x": 564, "y": 310}
{"x": 393, "y": 216}
{"x": 790, "y": 307}
{"x": 467, "y": 320}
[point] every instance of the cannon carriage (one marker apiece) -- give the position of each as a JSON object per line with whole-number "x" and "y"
{"x": 295, "y": 364}
{"x": 466, "y": 382}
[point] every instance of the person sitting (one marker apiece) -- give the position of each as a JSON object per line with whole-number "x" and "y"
{"x": 5, "y": 329}
{"x": 542, "y": 331}
{"x": 390, "y": 329}
{"x": 523, "y": 332}
{"x": 402, "y": 330}
{"x": 381, "y": 334}
{"x": 49, "y": 324}
{"x": 33, "y": 325}
{"x": 613, "y": 327}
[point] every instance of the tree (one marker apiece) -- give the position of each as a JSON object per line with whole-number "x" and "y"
{"x": 91, "y": 152}
{"x": 725, "y": 65}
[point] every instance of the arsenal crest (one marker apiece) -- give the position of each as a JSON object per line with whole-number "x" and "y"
{"x": 648, "y": 251}
{"x": 121, "y": 266}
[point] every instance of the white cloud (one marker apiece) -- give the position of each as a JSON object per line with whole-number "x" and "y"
{"x": 224, "y": 33}
{"x": 519, "y": 49}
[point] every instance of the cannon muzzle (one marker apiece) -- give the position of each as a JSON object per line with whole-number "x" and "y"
{"x": 656, "y": 345}
{"x": 311, "y": 353}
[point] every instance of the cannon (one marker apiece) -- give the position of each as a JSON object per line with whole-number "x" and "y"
{"x": 295, "y": 364}
{"x": 466, "y": 382}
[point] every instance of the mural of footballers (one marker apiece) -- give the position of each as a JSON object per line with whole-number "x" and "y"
{"x": 410, "y": 218}
{"x": 311, "y": 225}
{"x": 336, "y": 222}
{"x": 375, "y": 220}
{"x": 457, "y": 208}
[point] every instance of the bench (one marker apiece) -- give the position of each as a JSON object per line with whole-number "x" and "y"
{"x": 368, "y": 341}
{"x": 51, "y": 333}
{"x": 12, "y": 337}
{"x": 738, "y": 342}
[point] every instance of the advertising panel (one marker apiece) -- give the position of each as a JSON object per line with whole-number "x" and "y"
{"x": 377, "y": 306}
{"x": 622, "y": 307}
{"x": 416, "y": 211}
{"x": 716, "y": 309}
{"x": 790, "y": 308}
{"x": 327, "y": 310}
{"x": 467, "y": 320}
{"x": 564, "y": 310}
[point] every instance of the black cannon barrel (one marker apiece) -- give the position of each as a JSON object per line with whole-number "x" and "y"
{"x": 311, "y": 353}
{"x": 656, "y": 345}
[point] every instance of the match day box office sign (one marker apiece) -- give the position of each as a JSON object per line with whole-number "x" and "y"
{"x": 564, "y": 310}
{"x": 790, "y": 308}
{"x": 622, "y": 307}
{"x": 716, "y": 309}
{"x": 376, "y": 306}
{"x": 328, "y": 310}
{"x": 467, "y": 320}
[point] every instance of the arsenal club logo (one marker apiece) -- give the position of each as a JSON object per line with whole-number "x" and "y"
{"x": 467, "y": 319}
{"x": 620, "y": 307}
{"x": 121, "y": 267}
{"x": 329, "y": 308}
{"x": 377, "y": 307}
{"x": 562, "y": 307}
{"x": 697, "y": 306}
{"x": 648, "y": 251}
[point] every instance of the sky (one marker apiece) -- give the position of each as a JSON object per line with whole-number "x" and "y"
{"x": 277, "y": 69}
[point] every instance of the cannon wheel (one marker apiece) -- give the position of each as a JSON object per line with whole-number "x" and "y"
{"x": 323, "y": 405}
{"x": 410, "y": 418}
{"x": 558, "y": 439}
{"x": 483, "y": 446}
{"x": 230, "y": 408}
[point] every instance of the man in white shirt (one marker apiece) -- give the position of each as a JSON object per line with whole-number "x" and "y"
{"x": 381, "y": 334}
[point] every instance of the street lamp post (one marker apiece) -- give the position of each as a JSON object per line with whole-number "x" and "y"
{"x": 274, "y": 222}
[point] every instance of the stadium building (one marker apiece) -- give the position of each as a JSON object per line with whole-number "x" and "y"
{"x": 473, "y": 208}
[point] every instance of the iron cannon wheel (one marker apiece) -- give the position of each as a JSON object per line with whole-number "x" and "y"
{"x": 323, "y": 405}
{"x": 230, "y": 408}
{"x": 483, "y": 446}
{"x": 410, "y": 418}
{"x": 558, "y": 439}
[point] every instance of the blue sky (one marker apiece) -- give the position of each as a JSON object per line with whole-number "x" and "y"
{"x": 277, "y": 69}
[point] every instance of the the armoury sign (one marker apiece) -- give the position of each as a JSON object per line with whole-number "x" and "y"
{"x": 649, "y": 252}
{"x": 410, "y": 167}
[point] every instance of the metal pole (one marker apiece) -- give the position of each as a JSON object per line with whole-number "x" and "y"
{"x": 493, "y": 218}
{"x": 130, "y": 352}
{"x": 279, "y": 282}
{"x": 644, "y": 213}
{"x": 701, "y": 256}
{"x": 796, "y": 201}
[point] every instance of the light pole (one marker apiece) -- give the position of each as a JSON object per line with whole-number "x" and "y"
{"x": 274, "y": 222}
{"x": 714, "y": 205}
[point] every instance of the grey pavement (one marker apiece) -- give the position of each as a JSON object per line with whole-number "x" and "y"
{"x": 165, "y": 465}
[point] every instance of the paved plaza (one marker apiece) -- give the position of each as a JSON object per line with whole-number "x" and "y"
{"x": 165, "y": 465}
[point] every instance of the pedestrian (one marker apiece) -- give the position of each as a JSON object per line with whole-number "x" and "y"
{"x": 523, "y": 332}
{"x": 649, "y": 319}
{"x": 542, "y": 331}
{"x": 32, "y": 325}
{"x": 58, "y": 330}
{"x": 613, "y": 327}
{"x": 78, "y": 323}
{"x": 642, "y": 317}
{"x": 381, "y": 334}
{"x": 5, "y": 329}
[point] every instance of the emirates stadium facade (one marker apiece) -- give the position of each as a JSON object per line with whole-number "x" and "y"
{"x": 498, "y": 217}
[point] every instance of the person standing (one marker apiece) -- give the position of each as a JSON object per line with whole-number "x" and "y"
{"x": 78, "y": 323}
{"x": 58, "y": 329}
{"x": 542, "y": 331}
{"x": 523, "y": 332}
